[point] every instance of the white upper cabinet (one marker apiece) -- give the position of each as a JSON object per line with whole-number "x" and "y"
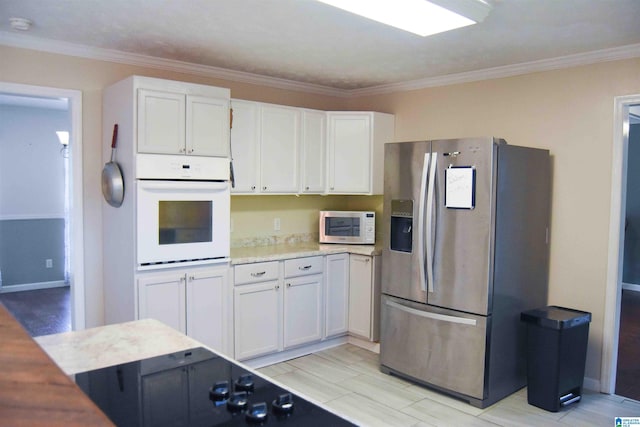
{"x": 179, "y": 123}
{"x": 245, "y": 144}
{"x": 355, "y": 151}
{"x": 207, "y": 123}
{"x": 312, "y": 152}
{"x": 279, "y": 148}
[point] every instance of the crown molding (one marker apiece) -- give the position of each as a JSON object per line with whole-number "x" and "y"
{"x": 110, "y": 55}
{"x": 604, "y": 55}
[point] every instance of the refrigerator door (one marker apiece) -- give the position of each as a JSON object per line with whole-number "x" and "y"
{"x": 405, "y": 172}
{"x": 460, "y": 227}
{"x": 435, "y": 346}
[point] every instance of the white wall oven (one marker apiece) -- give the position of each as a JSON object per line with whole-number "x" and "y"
{"x": 182, "y": 221}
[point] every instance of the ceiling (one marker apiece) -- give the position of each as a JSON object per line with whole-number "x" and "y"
{"x": 314, "y": 44}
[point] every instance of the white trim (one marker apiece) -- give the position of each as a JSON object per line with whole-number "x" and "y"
{"x": 283, "y": 356}
{"x": 30, "y": 217}
{"x": 616, "y": 221}
{"x": 32, "y": 286}
{"x": 631, "y": 287}
{"x": 77, "y": 279}
{"x": 72, "y": 49}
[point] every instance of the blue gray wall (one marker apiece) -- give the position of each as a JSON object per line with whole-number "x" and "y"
{"x": 32, "y": 208}
{"x": 631, "y": 267}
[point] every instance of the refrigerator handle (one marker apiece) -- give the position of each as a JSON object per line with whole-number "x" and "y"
{"x": 430, "y": 220}
{"x": 421, "y": 206}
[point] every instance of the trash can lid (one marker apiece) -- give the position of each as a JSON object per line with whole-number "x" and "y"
{"x": 555, "y": 317}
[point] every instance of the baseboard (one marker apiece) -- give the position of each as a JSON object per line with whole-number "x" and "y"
{"x": 33, "y": 286}
{"x": 366, "y": 344}
{"x": 283, "y": 356}
{"x": 591, "y": 384}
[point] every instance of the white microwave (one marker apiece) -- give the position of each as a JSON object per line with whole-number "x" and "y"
{"x": 351, "y": 227}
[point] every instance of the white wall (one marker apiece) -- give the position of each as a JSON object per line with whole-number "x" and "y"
{"x": 31, "y": 165}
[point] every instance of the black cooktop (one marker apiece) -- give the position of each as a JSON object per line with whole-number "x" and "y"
{"x": 196, "y": 388}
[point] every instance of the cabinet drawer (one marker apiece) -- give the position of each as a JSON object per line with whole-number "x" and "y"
{"x": 303, "y": 266}
{"x": 257, "y": 272}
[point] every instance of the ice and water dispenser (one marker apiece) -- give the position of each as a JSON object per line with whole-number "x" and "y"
{"x": 401, "y": 225}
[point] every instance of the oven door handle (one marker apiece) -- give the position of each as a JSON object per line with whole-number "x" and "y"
{"x": 184, "y": 186}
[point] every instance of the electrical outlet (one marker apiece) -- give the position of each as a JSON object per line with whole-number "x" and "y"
{"x": 276, "y": 224}
{"x": 48, "y": 263}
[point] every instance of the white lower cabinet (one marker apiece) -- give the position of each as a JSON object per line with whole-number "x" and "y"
{"x": 336, "y": 295}
{"x": 257, "y": 314}
{"x": 364, "y": 296}
{"x": 277, "y": 305}
{"x": 302, "y": 310}
{"x": 192, "y": 301}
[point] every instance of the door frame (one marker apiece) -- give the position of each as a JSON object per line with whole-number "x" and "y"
{"x": 76, "y": 216}
{"x": 613, "y": 291}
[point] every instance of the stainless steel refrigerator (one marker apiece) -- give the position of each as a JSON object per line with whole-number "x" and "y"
{"x": 466, "y": 244}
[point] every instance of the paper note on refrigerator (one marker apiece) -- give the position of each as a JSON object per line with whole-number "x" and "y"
{"x": 459, "y": 187}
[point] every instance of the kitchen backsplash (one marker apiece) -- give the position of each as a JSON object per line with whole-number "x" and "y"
{"x": 270, "y": 220}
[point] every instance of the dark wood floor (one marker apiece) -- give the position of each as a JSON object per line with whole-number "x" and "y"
{"x": 628, "y": 376}
{"x": 40, "y": 312}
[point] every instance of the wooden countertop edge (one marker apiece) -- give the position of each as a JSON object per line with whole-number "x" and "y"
{"x": 34, "y": 391}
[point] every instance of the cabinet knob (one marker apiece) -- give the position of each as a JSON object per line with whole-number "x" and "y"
{"x": 190, "y": 150}
{"x": 182, "y": 150}
{"x": 288, "y": 285}
{"x": 264, "y": 188}
{"x": 332, "y": 188}
{"x": 192, "y": 278}
{"x": 253, "y": 187}
{"x": 306, "y": 188}
{"x": 277, "y": 287}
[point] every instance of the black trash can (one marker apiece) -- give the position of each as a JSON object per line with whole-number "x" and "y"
{"x": 556, "y": 354}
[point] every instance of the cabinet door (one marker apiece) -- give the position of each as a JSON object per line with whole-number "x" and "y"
{"x": 349, "y": 153}
{"x": 162, "y": 297}
{"x": 207, "y": 126}
{"x": 257, "y": 314}
{"x": 279, "y": 141}
{"x": 336, "y": 294}
{"x": 161, "y": 122}
{"x": 302, "y": 310}
{"x": 360, "y": 293}
{"x": 245, "y": 141}
{"x": 313, "y": 148}
{"x": 207, "y": 317}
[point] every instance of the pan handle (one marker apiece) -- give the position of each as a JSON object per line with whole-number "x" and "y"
{"x": 115, "y": 136}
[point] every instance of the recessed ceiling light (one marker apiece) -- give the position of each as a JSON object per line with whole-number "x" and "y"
{"x": 420, "y": 17}
{"x": 20, "y": 24}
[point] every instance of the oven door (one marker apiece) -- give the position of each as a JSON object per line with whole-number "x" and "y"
{"x": 180, "y": 221}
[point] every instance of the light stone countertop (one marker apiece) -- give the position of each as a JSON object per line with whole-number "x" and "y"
{"x": 110, "y": 345}
{"x": 251, "y": 254}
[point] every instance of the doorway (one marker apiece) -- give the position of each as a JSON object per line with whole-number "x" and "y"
{"x": 617, "y": 347}
{"x": 70, "y": 265}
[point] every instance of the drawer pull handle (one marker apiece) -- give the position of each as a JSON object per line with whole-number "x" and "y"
{"x": 258, "y": 274}
{"x": 303, "y": 268}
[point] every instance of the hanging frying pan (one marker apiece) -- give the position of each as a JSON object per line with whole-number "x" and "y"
{"x": 112, "y": 183}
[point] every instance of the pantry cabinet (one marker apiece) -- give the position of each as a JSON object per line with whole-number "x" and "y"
{"x": 336, "y": 295}
{"x": 192, "y": 301}
{"x": 180, "y": 123}
{"x": 355, "y": 151}
{"x": 364, "y": 296}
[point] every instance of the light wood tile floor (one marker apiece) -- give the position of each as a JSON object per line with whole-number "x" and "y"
{"x": 347, "y": 380}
